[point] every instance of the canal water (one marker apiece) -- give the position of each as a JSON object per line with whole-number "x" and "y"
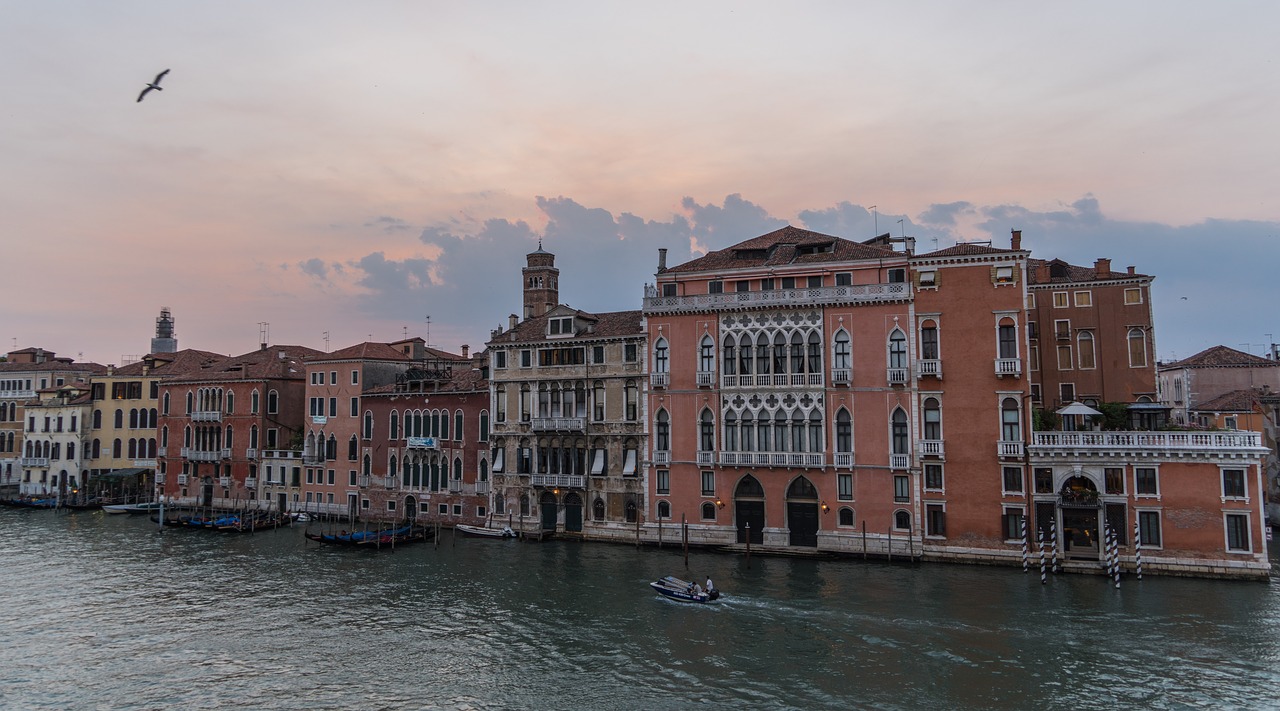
{"x": 104, "y": 612}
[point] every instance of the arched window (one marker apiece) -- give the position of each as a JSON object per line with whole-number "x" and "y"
{"x": 484, "y": 425}
{"x": 253, "y": 402}
{"x": 253, "y": 436}
{"x": 116, "y": 447}
{"x": 815, "y": 431}
{"x": 929, "y": 341}
{"x": 273, "y": 402}
{"x": 228, "y": 444}
{"x": 1010, "y": 426}
{"x": 900, "y": 437}
{"x": 97, "y": 419}
{"x": 707, "y": 355}
{"x": 484, "y": 470}
{"x": 1137, "y": 348}
{"x": 1007, "y": 339}
{"x": 797, "y": 353}
{"x": 745, "y": 355}
{"x": 897, "y": 349}
{"x": 901, "y": 520}
{"x": 133, "y": 418}
{"x": 932, "y": 418}
{"x": 632, "y": 406}
{"x": 664, "y": 509}
{"x": 457, "y": 424}
{"x": 331, "y": 448}
{"x": 730, "y": 431}
{"x": 662, "y": 431}
{"x": 190, "y": 401}
{"x": 165, "y": 403}
{"x": 706, "y": 432}
{"x": 815, "y": 353}
{"x": 779, "y": 353}
{"x": 366, "y": 465}
{"x": 1086, "y": 354}
{"x": 797, "y": 431}
{"x": 133, "y": 448}
{"x": 846, "y": 516}
{"x": 762, "y": 354}
{"x": 844, "y": 431}
{"x": 779, "y": 431}
{"x": 748, "y": 432}
{"x": 368, "y": 424}
{"x": 353, "y": 449}
{"x": 231, "y": 402}
{"x": 708, "y": 511}
{"x": 119, "y": 420}
{"x": 97, "y": 449}
{"x": 394, "y": 427}
{"x": 762, "y": 430}
{"x": 597, "y": 509}
{"x": 729, "y": 357}
{"x": 444, "y": 425}
{"x": 457, "y": 468}
{"x": 661, "y": 362}
{"x": 186, "y": 436}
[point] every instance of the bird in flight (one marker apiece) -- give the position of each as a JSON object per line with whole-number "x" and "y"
{"x": 155, "y": 84}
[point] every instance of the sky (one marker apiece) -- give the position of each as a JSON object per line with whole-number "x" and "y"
{"x": 362, "y": 171}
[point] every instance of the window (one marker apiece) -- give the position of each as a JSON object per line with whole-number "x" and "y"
{"x": 630, "y": 402}
{"x": 669, "y": 289}
{"x": 844, "y": 279}
{"x": 766, "y": 285}
{"x": 706, "y": 432}
{"x": 663, "y": 432}
{"x": 902, "y": 520}
{"x": 1149, "y": 528}
{"x": 597, "y": 355}
{"x": 355, "y": 407}
{"x": 1132, "y": 297}
{"x": 1146, "y": 482}
{"x": 1011, "y": 479}
{"x": 253, "y": 403}
{"x": 899, "y": 432}
{"x": 1064, "y": 357}
{"x": 661, "y": 362}
{"x": 901, "y": 488}
{"x": 815, "y": 282}
{"x": 562, "y": 326}
{"x": 840, "y": 351}
{"x": 1137, "y": 348}
{"x": 664, "y": 481}
{"x": 457, "y": 425}
{"x": 844, "y": 431}
{"x": 706, "y": 355}
{"x": 708, "y": 511}
{"x": 1228, "y": 422}
{"x": 526, "y": 359}
{"x": 788, "y": 282}
{"x": 273, "y": 402}
{"x": 499, "y": 360}
{"x": 741, "y": 286}
{"x": 844, "y": 487}
{"x": 1044, "y": 480}
{"x": 1233, "y": 484}
{"x": 897, "y": 276}
{"x": 1060, "y": 300}
{"x": 1067, "y": 392}
{"x": 1004, "y": 275}
{"x": 935, "y": 519}
{"x": 1238, "y": 538}
{"x": 933, "y": 477}
{"x": 1084, "y": 298}
{"x": 1008, "y": 341}
{"x": 629, "y": 353}
{"x": 1084, "y": 343}
{"x": 708, "y": 483}
{"x": 897, "y": 349}
{"x": 932, "y": 419}
{"x": 1010, "y": 421}
{"x": 928, "y": 279}
{"x": 929, "y": 341}
{"x": 1011, "y": 524}
{"x": 715, "y": 287}
{"x": 1113, "y": 480}
{"x": 845, "y": 517}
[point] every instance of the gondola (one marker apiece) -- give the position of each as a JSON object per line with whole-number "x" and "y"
{"x": 373, "y": 539}
{"x": 683, "y": 590}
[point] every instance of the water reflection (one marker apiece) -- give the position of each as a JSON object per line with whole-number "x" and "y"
{"x": 104, "y": 611}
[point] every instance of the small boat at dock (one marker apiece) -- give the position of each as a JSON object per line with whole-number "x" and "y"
{"x": 484, "y": 532}
{"x": 132, "y": 509}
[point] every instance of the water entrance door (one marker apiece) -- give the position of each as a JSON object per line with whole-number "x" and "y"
{"x": 206, "y": 495}
{"x": 573, "y": 513}
{"x": 548, "y": 503}
{"x": 802, "y": 519}
{"x": 1080, "y": 532}
{"x": 750, "y": 512}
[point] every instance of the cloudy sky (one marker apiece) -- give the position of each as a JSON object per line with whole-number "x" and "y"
{"x": 353, "y": 168}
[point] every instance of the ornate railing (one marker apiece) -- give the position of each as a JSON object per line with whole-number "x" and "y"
{"x": 844, "y": 460}
{"x": 558, "y": 424}
{"x": 1009, "y": 450}
{"x": 930, "y": 447}
{"x": 576, "y": 482}
{"x": 661, "y": 457}
{"x": 1193, "y": 441}
{"x": 810, "y": 296}
{"x": 899, "y": 461}
{"x": 1008, "y": 366}
{"x": 706, "y": 459}
{"x": 659, "y": 380}
{"x": 897, "y": 376}
{"x": 206, "y": 416}
{"x": 706, "y": 378}
{"x": 930, "y": 367}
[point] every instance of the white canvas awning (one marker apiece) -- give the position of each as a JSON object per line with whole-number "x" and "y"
{"x": 629, "y": 464}
{"x": 498, "y": 456}
{"x": 597, "y": 463}
{"x": 1078, "y": 408}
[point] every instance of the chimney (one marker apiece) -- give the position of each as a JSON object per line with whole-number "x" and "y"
{"x": 1042, "y": 274}
{"x": 662, "y": 258}
{"x": 1131, "y": 269}
{"x": 1015, "y": 240}
{"x": 1102, "y": 265}
{"x": 465, "y": 349}
{"x": 513, "y": 320}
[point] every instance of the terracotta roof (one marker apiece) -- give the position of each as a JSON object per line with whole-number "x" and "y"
{"x": 1061, "y": 272}
{"x": 171, "y": 365}
{"x": 609, "y": 324}
{"x": 967, "y": 249}
{"x": 53, "y": 367}
{"x": 1223, "y": 357}
{"x": 1234, "y": 401}
{"x": 460, "y": 380}
{"x": 369, "y": 350}
{"x": 275, "y": 362}
{"x": 789, "y": 245}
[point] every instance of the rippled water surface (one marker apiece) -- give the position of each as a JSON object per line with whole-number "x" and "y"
{"x": 104, "y": 612}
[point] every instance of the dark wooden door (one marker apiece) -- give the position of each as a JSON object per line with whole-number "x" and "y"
{"x": 750, "y": 512}
{"x": 802, "y": 519}
{"x": 548, "y": 515}
{"x": 572, "y": 513}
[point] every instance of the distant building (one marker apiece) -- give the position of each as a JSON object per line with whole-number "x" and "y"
{"x": 23, "y": 374}
{"x": 1185, "y": 384}
{"x": 166, "y": 341}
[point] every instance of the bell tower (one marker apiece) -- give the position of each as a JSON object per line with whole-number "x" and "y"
{"x": 541, "y": 283}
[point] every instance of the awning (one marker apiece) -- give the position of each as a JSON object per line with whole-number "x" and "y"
{"x": 122, "y": 473}
{"x": 629, "y": 464}
{"x": 1078, "y": 408}
{"x": 597, "y": 463}
{"x": 497, "y": 460}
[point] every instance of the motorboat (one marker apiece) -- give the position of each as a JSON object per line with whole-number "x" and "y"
{"x": 484, "y": 532}
{"x": 683, "y": 590}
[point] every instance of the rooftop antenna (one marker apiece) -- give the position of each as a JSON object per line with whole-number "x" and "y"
{"x": 406, "y": 332}
{"x": 428, "y": 343}
{"x": 264, "y": 330}
{"x": 326, "y": 341}
{"x": 875, "y": 217}
{"x": 902, "y": 228}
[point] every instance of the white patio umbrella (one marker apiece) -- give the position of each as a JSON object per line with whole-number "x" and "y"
{"x": 1078, "y": 408}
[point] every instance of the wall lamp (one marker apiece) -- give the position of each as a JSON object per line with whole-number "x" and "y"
{"x": 825, "y": 508}
{"x": 719, "y": 504}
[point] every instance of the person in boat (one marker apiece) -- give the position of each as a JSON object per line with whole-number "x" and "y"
{"x": 710, "y": 587}
{"x": 697, "y": 589}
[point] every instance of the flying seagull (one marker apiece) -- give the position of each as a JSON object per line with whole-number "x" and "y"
{"x": 155, "y": 84}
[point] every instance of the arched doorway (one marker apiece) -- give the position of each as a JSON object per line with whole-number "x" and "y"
{"x": 802, "y": 513}
{"x": 1079, "y": 504}
{"x": 410, "y": 509}
{"x": 206, "y": 492}
{"x": 748, "y": 506}
{"x": 548, "y": 505}
{"x": 572, "y": 512}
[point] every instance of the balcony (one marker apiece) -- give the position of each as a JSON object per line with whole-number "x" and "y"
{"x": 706, "y": 459}
{"x": 844, "y": 460}
{"x": 1009, "y": 450}
{"x": 1147, "y": 443}
{"x": 183, "y": 479}
{"x": 422, "y": 443}
{"x": 772, "y": 459}
{"x": 29, "y": 462}
{"x": 162, "y": 451}
{"x": 841, "y": 376}
{"x": 789, "y": 298}
{"x": 706, "y": 378}
{"x": 659, "y": 380}
{"x": 930, "y": 447}
{"x": 313, "y": 458}
{"x": 482, "y": 487}
{"x": 17, "y": 394}
{"x": 200, "y": 455}
{"x": 251, "y": 482}
{"x": 897, "y": 376}
{"x": 900, "y": 461}
{"x": 144, "y": 463}
{"x": 1008, "y": 366}
{"x": 251, "y": 453}
{"x": 206, "y": 416}
{"x": 775, "y": 380}
{"x": 573, "y": 482}
{"x": 559, "y": 424}
{"x": 929, "y": 367}
{"x": 661, "y": 457}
